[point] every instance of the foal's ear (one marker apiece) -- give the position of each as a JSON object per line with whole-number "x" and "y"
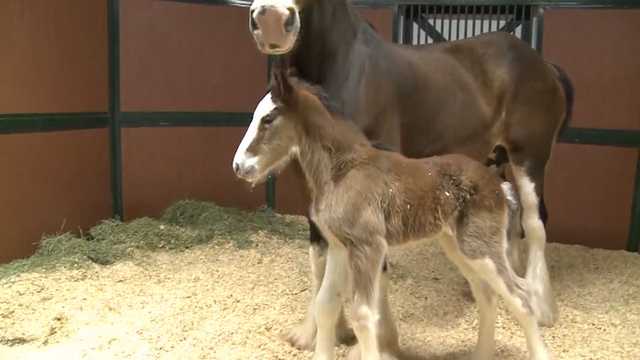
{"x": 281, "y": 88}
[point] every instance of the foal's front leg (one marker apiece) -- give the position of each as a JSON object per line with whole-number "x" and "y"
{"x": 328, "y": 302}
{"x": 303, "y": 336}
{"x": 366, "y": 269}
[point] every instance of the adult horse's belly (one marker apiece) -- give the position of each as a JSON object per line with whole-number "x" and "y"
{"x": 470, "y": 136}
{"x": 427, "y": 111}
{"x": 434, "y": 128}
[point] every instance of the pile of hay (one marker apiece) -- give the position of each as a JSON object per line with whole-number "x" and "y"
{"x": 205, "y": 282}
{"x": 185, "y": 224}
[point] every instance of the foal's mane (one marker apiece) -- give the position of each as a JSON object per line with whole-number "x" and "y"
{"x": 324, "y": 121}
{"x": 342, "y": 131}
{"x": 324, "y": 98}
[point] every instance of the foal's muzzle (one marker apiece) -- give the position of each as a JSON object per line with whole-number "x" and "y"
{"x": 274, "y": 27}
{"x": 244, "y": 171}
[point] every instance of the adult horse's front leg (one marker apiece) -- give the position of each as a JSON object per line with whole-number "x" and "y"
{"x": 303, "y": 336}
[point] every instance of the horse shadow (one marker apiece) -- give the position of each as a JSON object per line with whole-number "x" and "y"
{"x": 505, "y": 352}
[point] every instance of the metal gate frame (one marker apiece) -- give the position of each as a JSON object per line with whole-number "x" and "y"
{"x": 116, "y": 119}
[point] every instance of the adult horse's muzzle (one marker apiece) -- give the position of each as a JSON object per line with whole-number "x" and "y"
{"x": 275, "y": 25}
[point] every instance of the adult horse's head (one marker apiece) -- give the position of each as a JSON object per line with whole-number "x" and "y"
{"x": 275, "y": 25}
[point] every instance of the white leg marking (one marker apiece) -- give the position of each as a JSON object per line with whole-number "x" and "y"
{"x": 365, "y": 324}
{"x": 537, "y": 274}
{"x": 328, "y": 302}
{"x": 487, "y": 306}
{"x": 487, "y": 271}
{"x": 303, "y": 336}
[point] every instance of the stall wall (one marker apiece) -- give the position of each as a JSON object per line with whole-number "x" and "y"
{"x": 53, "y": 59}
{"x": 589, "y": 189}
{"x": 185, "y": 57}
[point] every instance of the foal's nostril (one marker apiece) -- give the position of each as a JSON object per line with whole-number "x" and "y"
{"x": 288, "y": 24}
{"x": 249, "y": 171}
{"x": 236, "y": 167}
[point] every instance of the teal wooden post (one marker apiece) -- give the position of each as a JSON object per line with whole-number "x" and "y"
{"x": 113, "y": 19}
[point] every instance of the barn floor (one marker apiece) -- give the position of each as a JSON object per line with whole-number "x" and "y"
{"x": 219, "y": 300}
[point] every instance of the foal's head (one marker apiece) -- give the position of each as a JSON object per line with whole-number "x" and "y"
{"x": 282, "y": 121}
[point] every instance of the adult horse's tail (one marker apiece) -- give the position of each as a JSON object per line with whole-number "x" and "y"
{"x": 567, "y": 87}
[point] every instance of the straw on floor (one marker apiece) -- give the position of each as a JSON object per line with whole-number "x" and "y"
{"x": 205, "y": 282}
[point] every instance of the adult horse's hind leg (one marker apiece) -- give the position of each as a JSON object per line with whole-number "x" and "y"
{"x": 533, "y": 117}
{"x": 303, "y": 336}
{"x": 529, "y": 181}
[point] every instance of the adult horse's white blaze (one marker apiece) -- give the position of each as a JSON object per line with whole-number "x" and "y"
{"x": 275, "y": 25}
{"x": 245, "y": 164}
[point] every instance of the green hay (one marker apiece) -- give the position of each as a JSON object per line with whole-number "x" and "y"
{"x": 185, "y": 224}
{"x": 230, "y": 224}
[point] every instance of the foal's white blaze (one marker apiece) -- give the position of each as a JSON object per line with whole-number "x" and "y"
{"x": 243, "y": 158}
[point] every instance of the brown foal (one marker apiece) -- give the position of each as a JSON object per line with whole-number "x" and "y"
{"x": 365, "y": 199}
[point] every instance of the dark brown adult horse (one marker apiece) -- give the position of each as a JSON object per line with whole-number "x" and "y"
{"x": 465, "y": 97}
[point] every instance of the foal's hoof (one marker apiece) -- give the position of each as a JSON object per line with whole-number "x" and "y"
{"x": 467, "y": 294}
{"x": 546, "y": 311}
{"x": 345, "y": 336}
{"x": 301, "y": 337}
{"x": 547, "y": 319}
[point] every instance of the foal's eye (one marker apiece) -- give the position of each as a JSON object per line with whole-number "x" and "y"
{"x": 268, "y": 119}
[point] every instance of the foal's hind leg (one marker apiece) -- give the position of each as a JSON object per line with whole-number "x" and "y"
{"x": 483, "y": 293}
{"x": 498, "y": 274}
{"x": 487, "y": 307}
{"x": 303, "y": 336}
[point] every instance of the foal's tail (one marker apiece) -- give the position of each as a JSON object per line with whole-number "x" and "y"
{"x": 567, "y": 86}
